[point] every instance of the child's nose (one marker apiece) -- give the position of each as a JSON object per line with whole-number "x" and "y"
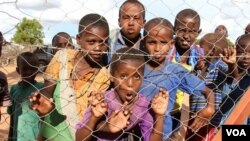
{"x": 130, "y": 82}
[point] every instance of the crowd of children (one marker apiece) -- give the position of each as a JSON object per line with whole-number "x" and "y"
{"x": 127, "y": 85}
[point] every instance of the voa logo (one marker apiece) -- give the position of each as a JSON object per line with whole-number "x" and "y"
{"x": 236, "y": 132}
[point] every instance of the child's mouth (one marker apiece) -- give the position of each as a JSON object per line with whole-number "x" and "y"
{"x": 129, "y": 96}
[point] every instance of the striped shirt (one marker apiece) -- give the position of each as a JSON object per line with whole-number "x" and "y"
{"x": 215, "y": 79}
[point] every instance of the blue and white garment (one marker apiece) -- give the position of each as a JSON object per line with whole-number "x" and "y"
{"x": 170, "y": 77}
{"x": 195, "y": 54}
{"x": 117, "y": 42}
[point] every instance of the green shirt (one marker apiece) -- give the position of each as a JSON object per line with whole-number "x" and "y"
{"x": 24, "y": 123}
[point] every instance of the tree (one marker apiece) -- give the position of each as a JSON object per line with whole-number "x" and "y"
{"x": 29, "y": 32}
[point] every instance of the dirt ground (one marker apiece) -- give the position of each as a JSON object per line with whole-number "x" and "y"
{"x": 13, "y": 78}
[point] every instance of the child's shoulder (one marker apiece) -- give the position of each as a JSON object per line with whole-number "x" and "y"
{"x": 39, "y": 84}
{"x": 174, "y": 68}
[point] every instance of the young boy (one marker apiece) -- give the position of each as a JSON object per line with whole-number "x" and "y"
{"x": 131, "y": 20}
{"x": 122, "y": 107}
{"x": 160, "y": 73}
{"x": 24, "y": 123}
{"x": 62, "y": 40}
{"x": 221, "y": 29}
{"x": 214, "y": 71}
{"x": 242, "y": 69}
{"x": 185, "y": 51}
{"x": 70, "y": 77}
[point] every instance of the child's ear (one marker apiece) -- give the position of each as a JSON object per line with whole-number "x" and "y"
{"x": 17, "y": 70}
{"x": 199, "y": 31}
{"x": 119, "y": 22}
{"x": 144, "y": 21}
{"x": 78, "y": 39}
{"x": 111, "y": 78}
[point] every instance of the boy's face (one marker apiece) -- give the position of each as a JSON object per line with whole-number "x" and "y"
{"x": 221, "y": 30}
{"x": 131, "y": 20}
{"x": 27, "y": 72}
{"x": 186, "y": 30}
{"x": 243, "y": 55}
{"x": 208, "y": 50}
{"x": 158, "y": 42}
{"x": 127, "y": 79}
{"x": 94, "y": 40}
{"x": 63, "y": 42}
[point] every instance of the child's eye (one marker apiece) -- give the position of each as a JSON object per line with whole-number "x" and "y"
{"x": 137, "y": 77}
{"x": 91, "y": 42}
{"x": 123, "y": 76}
{"x": 164, "y": 43}
{"x": 151, "y": 42}
{"x": 125, "y": 17}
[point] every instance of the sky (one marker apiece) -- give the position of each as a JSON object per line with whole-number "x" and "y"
{"x": 64, "y": 15}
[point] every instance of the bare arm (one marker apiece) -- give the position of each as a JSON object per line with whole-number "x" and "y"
{"x": 205, "y": 114}
{"x": 85, "y": 133}
{"x": 159, "y": 105}
{"x": 42, "y": 101}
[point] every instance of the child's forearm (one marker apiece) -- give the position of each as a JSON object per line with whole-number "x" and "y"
{"x": 157, "y": 131}
{"x": 48, "y": 89}
{"x": 209, "y": 94}
{"x": 85, "y": 133}
{"x": 233, "y": 70}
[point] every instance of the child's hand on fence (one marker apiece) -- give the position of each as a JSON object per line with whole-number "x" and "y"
{"x": 41, "y": 104}
{"x": 98, "y": 105}
{"x": 229, "y": 55}
{"x": 160, "y": 102}
{"x": 200, "y": 65}
{"x": 119, "y": 119}
{"x": 201, "y": 119}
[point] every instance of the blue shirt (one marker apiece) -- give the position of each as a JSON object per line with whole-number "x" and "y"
{"x": 195, "y": 54}
{"x": 170, "y": 77}
{"x": 117, "y": 43}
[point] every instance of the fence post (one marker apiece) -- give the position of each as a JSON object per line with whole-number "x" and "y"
{"x": 239, "y": 114}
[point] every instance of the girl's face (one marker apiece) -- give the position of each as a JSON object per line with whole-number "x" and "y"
{"x": 94, "y": 42}
{"x": 187, "y": 30}
{"x": 127, "y": 79}
{"x": 158, "y": 42}
{"x": 243, "y": 55}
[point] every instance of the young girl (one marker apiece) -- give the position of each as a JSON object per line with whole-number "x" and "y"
{"x": 114, "y": 114}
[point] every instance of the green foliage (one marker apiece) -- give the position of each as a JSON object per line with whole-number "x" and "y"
{"x": 29, "y": 32}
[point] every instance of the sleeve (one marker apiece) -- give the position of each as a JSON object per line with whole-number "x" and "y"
{"x": 146, "y": 125}
{"x": 85, "y": 118}
{"x": 52, "y": 70}
{"x": 10, "y": 108}
{"x": 188, "y": 82}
